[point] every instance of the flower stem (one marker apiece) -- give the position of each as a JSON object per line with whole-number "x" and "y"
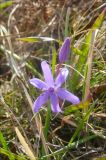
{"x": 47, "y": 121}
{"x": 46, "y": 128}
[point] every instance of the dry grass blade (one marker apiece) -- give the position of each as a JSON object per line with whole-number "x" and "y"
{"x": 89, "y": 68}
{"x": 24, "y": 144}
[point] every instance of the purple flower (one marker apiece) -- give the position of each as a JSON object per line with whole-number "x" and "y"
{"x": 51, "y": 89}
{"x": 64, "y": 50}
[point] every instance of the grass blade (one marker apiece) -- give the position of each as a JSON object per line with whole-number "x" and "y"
{"x": 24, "y": 144}
{"x": 5, "y": 4}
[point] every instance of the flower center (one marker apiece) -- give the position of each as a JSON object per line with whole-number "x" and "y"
{"x": 51, "y": 89}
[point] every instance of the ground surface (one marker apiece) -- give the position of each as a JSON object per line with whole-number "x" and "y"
{"x": 48, "y": 18}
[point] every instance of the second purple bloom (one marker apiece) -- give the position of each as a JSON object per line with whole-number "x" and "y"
{"x": 64, "y": 50}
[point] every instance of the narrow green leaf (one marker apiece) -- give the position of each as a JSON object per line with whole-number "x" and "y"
{"x": 76, "y": 51}
{"x": 99, "y": 20}
{"x": 47, "y": 121}
{"x": 36, "y": 39}
{"x": 76, "y": 107}
{"x": 5, "y": 146}
{"x": 5, "y": 4}
{"x": 3, "y": 141}
{"x": 54, "y": 56}
{"x": 9, "y": 153}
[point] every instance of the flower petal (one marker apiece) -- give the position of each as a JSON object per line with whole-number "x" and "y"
{"x": 55, "y": 103}
{"x": 47, "y": 73}
{"x": 40, "y": 101}
{"x": 61, "y": 78}
{"x": 66, "y": 95}
{"x": 64, "y": 50}
{"x": 38, "y": 83}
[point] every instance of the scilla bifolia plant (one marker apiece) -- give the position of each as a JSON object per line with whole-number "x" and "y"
{"x": 51, "y": 89}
